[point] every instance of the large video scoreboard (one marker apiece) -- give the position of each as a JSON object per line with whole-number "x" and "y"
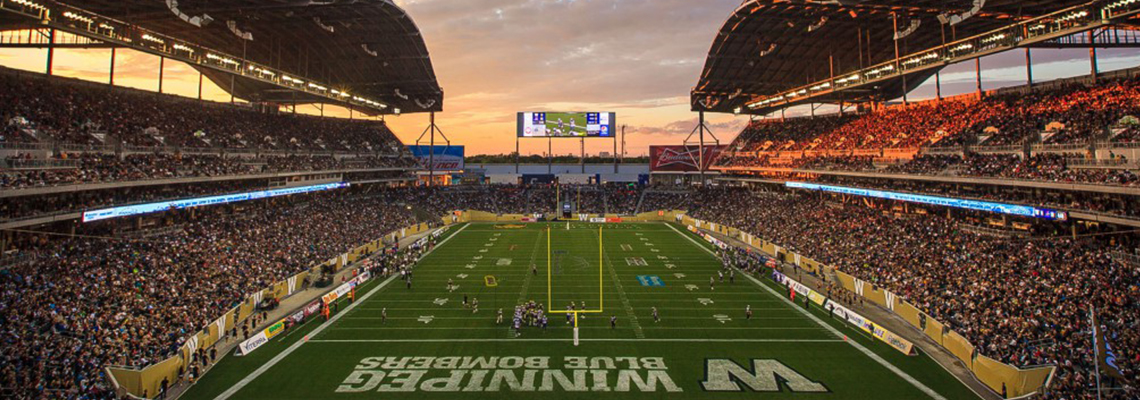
{"x": 566, "y": 124}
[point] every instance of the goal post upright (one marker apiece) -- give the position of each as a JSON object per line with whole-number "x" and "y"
{"x": 549, "y": 273}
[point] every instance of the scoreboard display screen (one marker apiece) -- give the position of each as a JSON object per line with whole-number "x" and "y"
{"x": 566, "y": 124}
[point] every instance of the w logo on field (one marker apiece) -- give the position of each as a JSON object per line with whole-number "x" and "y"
{"x": 627, "y": 247}
{"x": 650, "y": 280}
{"x": 636, "y": 261}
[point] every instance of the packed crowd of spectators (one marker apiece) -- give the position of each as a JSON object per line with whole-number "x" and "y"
{"x": 1073, "y": 113}
{"x": 42, "y": 205}
{"x": 45, "y": 109}
{"x": 622, "y": 199}
{"x": 88, "y": 168}
{"x": 776, "y": 135}
{"x": 664, "y": 199}
{"x": 1022, "y": 302}
{"x": 1045, "y": 167}
{"x": 1115, "y": 204}
{"x": 88, "y": 302}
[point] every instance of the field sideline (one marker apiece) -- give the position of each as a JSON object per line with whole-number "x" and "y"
{"x": 433, "y": 347}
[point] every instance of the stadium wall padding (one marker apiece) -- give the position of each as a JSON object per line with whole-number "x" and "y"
{"x": 483, "y": 216}
{"x": 994, "y": 374}
{"x": 148, "y": 380}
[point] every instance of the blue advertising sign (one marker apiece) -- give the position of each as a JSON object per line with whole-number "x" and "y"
{"x": 1000, "y": 208}
{"x": 447, "y": 158}
{"x": 126, "y": 211}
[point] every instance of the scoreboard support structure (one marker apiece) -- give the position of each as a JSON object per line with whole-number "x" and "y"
{"x": 433, "y": 128}
{"x": 700, "y": 130}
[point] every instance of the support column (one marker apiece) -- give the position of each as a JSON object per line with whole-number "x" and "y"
{"x": 701, "y": 147}
{"x": 549, "y": 155}
{"x": 516, "y": 154}
{"x": 199, "y": 85}
{"x": 161, "y": 67}
{"x": 978, "y": 74}
{"x": 1029, "y": 67}
{"x": 582, "y": 160}
{"x": 1094, "y": 70}
{"x": 615, "y": 150}
{"x": 111, "y": 78}
{"x": 50, "y": 51}
{"x": 431, "y": 151}
{"x": 898, "y": 61}
{"x": 938, "y": 84}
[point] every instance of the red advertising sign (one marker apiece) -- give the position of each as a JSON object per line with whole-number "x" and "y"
{"x": 681, "y": 158}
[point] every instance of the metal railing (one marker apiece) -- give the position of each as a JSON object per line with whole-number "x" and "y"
{"x": 105, "y": 29}
{"x": 1130, "y": 259}
{"x": 20, "y": 163}
{"x": 1046, "y": 27}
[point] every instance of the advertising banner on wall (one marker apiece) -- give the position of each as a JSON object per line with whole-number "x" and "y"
{"x": 446, "y": 158}
{"x": 681, "y": 158}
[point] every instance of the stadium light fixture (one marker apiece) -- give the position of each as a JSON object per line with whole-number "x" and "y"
{"x": 76, "y": 17}
{"x": 1074, "y": 16}
{"x": 30, "y": 4}
{"x": 150, "y": 38}
{"x": 180, "y": 46}
{"x": 994, "y": 38}
{"x": 1120, "y": 4}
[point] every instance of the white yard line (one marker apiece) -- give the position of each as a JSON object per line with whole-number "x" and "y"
{"x": 509, "y": 315}
{"x": 655, "y": 328}
{"x": 870, "y": 354}
{"x": 571, "y": 340}
{"x": 624, "y": 299}
{"x": 289, "y": 350}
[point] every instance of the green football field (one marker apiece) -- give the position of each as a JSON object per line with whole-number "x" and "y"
{"x": 433, "y": 347}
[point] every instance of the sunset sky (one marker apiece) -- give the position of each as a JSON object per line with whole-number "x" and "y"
{"x": 638, "y": 58}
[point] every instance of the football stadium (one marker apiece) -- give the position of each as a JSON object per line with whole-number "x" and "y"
{"x": 757, "y": 199}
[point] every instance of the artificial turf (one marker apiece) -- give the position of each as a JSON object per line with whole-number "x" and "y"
{"x": 700, "y": 327}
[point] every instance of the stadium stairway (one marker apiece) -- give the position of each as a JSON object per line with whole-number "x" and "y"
{"x": 887, "y": 319}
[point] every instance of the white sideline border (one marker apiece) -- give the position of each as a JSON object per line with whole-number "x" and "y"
{"x": 285, "y": 353}
{"x": 870, "y": 354}
{"x": 524, "y": 341}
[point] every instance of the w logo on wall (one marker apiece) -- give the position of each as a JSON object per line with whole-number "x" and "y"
{"x": 858, "y": 286}
{"x": 192, "y": 343}
{"x": 291, "y": 282}
{"x": 221, "y": 325}
{"x": 256, "y": 297}
{"x": 890, "y": 300}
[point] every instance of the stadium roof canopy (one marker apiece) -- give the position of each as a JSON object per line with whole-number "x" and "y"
{"x": 366, "y": 47}
{"x": 769, "y": 46}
